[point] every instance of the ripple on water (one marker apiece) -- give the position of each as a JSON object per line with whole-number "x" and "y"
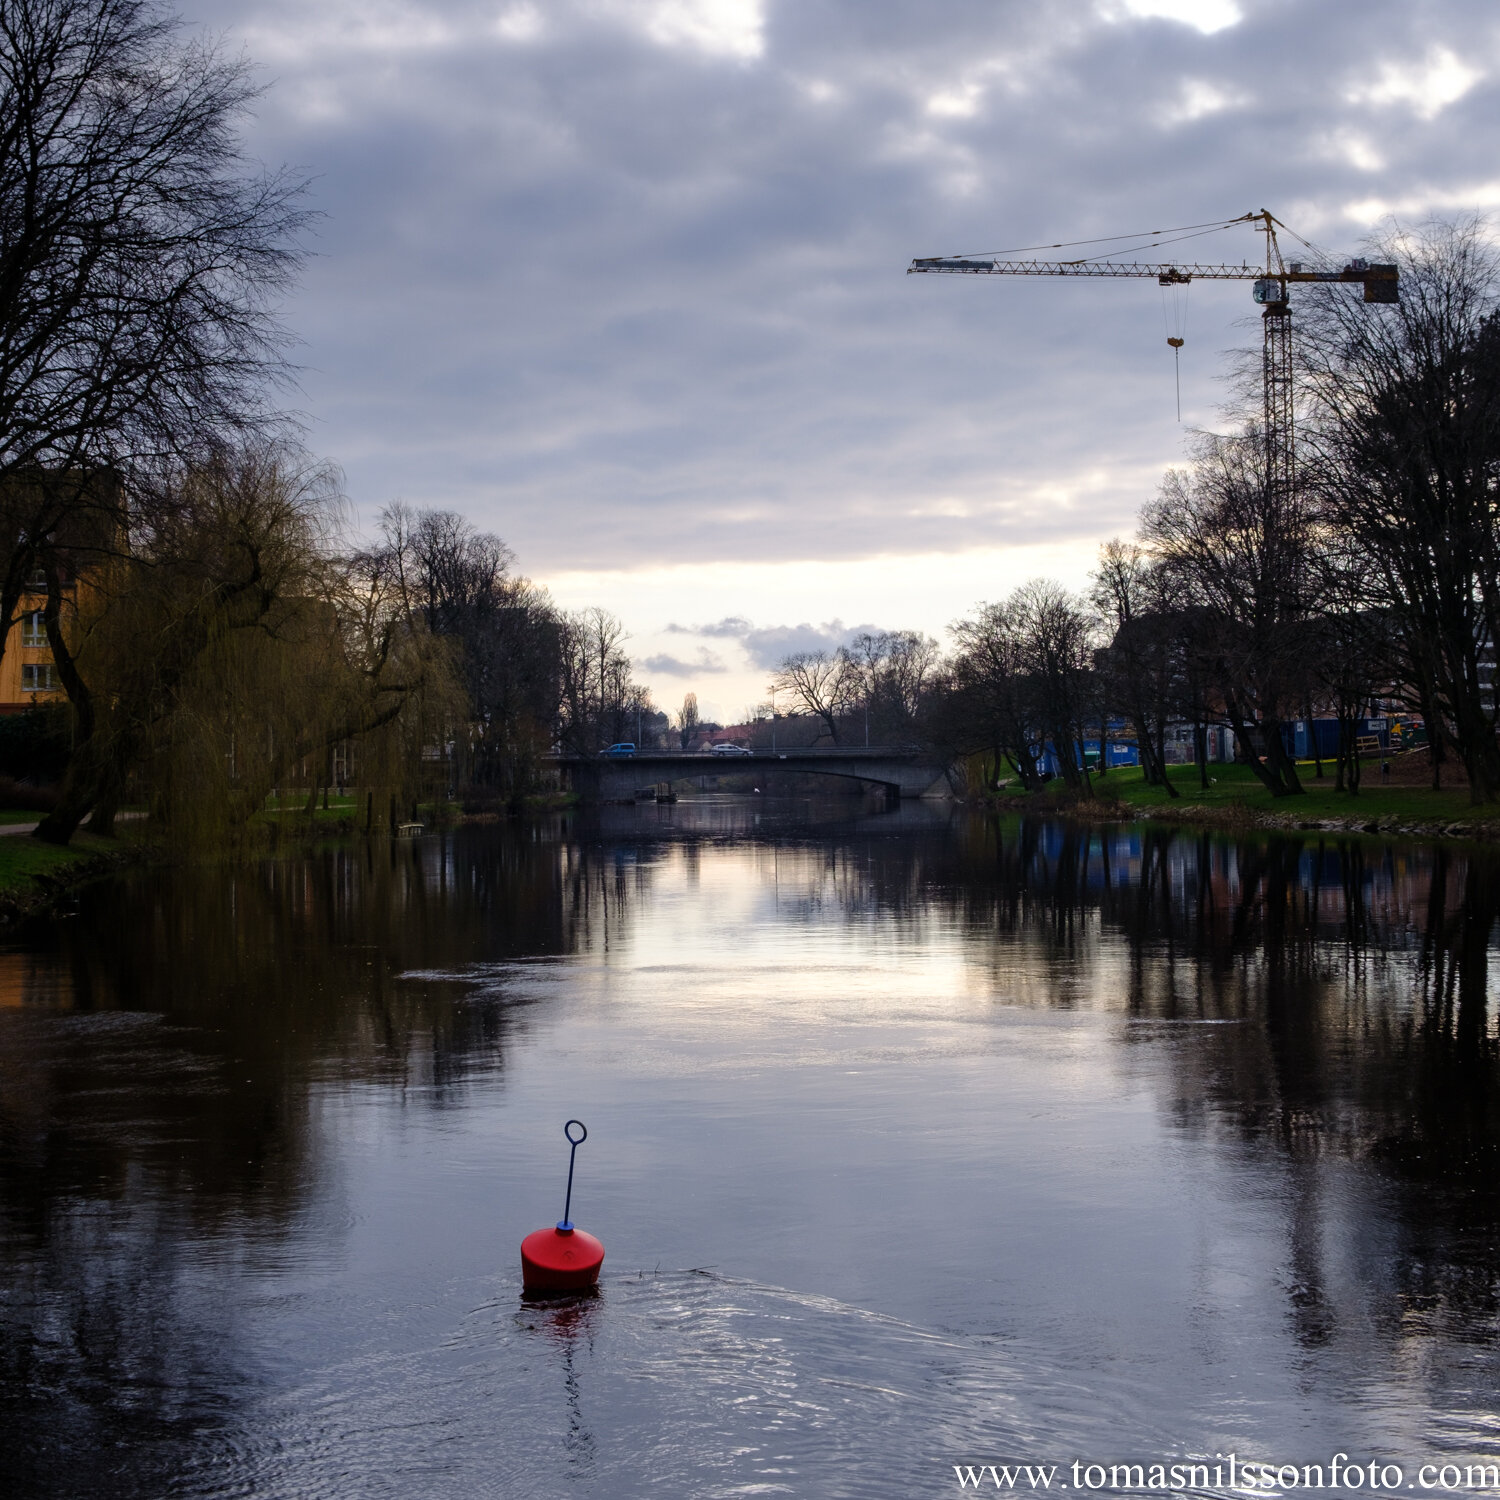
{"x": 687, "y": 1384}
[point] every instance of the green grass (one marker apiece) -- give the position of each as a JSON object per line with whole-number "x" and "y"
{"x": 23, "y": 858}
{"x": 1237, "y": 786}
{"x": 290, "y": 810}
{"x": 21, "y": 815}
{"x": 294, "y": 802}
{"x": 347, "y": 813}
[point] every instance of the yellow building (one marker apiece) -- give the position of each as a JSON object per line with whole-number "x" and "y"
{"x": 81, "y": 513}
{"x": 27, "y": 675}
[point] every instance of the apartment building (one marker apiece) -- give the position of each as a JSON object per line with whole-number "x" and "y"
{"x": 82, "y": 515}
{"x": 27, "y": 675}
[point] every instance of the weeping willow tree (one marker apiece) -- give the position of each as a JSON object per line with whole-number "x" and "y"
{"x": 230, "y": 647}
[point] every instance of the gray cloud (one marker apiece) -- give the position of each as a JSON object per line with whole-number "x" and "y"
{"x": 673, "y": 666}
{"x": 731, "y": 626}
{"x": 769, "y": 647}
{"x": 766, "y": 646}
{"x": 623, "y": 281}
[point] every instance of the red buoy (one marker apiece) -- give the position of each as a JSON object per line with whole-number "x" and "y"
{"x": 562, "y": 1259}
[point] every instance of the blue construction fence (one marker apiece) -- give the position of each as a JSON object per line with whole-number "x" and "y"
{"x": 1382, "y": 735}
{"x": 1386, "y": 735}
{"x": 1122, "y": 752}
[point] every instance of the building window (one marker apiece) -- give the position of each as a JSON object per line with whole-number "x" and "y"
{"x": 38, "y": 677}
{"x": 33, "y": 629}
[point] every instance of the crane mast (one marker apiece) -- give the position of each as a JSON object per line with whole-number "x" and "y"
{"x": 1271, "y": 289}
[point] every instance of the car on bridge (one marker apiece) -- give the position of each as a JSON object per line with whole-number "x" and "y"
{"x": 725, "y": 748}
{"x": 625, "y": 747}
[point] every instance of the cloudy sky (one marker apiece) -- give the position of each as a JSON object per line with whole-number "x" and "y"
{"x": 623, "y": 280}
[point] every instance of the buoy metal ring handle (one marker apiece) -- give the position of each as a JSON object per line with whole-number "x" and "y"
{"x": 565, "y": 1224}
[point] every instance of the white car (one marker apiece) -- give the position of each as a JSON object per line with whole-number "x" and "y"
{"x": 725, "y": 748}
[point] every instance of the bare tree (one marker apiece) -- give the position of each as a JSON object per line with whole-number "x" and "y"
{"x": 888, "y": 675}
{"x": 597, "y": 702}
{"x": 505, "y": 630}
{"x": 1354, "y": 652}
{"x": 1057, "y": 641}
{"x": 687, "y": 720}
{"x": 1137, "y": 666}
{"x": 1404, "y": 447}
{"x": 989, "y": 697}
{"x": 139, "y": 256}
{"x": 1239, "y": 549}
{"x": 819, "y": 683}
{"x": 448, "y": 569}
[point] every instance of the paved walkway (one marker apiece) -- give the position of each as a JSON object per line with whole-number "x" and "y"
{"x": 124, "y": 817}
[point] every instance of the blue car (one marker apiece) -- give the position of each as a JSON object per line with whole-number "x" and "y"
{"x": 626, "y": 748}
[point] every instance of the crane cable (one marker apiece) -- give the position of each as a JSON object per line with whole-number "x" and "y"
{"x": 1167, "y": 237}
{"x": 1173, "y": 297}
{"x": 1089, "y": 260}
{"x": 1183, "y": 229}
{"x": 1174, "y": 314}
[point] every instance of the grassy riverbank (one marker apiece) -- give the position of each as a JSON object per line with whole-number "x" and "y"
{"x": 345, "y": 813}
{"x": 35, "y": 877}
{"x": 1235, "y": 797}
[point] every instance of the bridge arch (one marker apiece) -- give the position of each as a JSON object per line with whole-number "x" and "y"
{"x": 904, "y": 772}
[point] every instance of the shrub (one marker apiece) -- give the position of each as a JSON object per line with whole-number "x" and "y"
{"x": 35, "y": 745}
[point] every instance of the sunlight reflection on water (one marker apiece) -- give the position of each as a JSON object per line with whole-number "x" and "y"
{"x": 913, "y": 1141}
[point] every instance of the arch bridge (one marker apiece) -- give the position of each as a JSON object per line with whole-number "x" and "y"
{"x": 904, "y": 771}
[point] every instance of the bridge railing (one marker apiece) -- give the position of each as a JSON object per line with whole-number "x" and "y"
{"x": 812, "y": 752}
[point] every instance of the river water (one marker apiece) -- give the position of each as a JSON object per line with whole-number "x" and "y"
{"x": 917, "y": 1139}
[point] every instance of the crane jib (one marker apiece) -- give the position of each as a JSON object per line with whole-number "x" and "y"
{"x": 1379, "y": 280}
{"x": 1272, "y": 283}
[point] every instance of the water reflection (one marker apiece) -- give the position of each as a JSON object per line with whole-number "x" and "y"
{"x": 568, "y": 1326}
{"x": 189, "y": 1070}
{"x": 1361, "y": 976}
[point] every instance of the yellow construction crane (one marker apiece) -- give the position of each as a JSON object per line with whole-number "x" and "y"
{"x": 1271, "y": 289}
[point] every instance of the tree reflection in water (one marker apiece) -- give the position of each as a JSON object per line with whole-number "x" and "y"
{"x": 157, "y": 1062}
{"x": 1359, "y": 974}
{"x": 161, "y": 1058}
